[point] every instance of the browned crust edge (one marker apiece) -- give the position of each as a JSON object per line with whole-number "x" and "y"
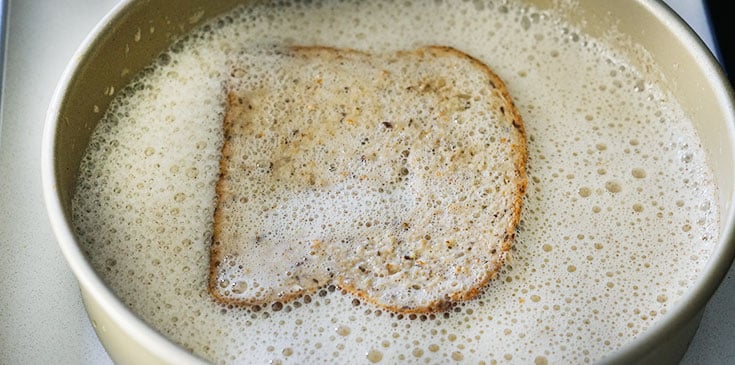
{"x": 214, "y": 254}
{"x": 520, "y": 157}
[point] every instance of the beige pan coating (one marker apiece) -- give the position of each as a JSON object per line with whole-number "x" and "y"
{"x": 398, "y": 177}
{"x": 131, "y": 311}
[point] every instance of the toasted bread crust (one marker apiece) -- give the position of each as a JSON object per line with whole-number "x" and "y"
{"x": 234, "y": 117}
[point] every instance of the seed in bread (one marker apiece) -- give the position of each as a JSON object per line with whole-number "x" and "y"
{"x": 397, "y": 177}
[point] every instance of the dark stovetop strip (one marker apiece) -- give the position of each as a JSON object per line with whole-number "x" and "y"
{"x": 721, "y": 22}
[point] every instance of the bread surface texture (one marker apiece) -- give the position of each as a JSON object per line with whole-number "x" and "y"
{"x": 396, "y": 177}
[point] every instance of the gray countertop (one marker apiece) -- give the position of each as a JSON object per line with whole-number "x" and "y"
{"x": 42, "y": 319}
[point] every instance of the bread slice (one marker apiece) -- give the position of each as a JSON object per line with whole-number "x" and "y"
{"x": 397, "y": 177}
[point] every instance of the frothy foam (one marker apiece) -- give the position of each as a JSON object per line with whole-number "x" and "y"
{"x": 618, "y": 219}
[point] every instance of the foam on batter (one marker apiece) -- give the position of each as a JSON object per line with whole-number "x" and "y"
{"x": 618, "y": 220}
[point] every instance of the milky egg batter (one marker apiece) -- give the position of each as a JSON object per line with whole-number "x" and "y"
{"x": 618, "y": 219}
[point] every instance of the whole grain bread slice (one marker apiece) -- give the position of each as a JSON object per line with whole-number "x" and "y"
{"x": 397, "y": 177}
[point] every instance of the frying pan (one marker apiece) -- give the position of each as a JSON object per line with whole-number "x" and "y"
{"x": 688, "y": 70}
